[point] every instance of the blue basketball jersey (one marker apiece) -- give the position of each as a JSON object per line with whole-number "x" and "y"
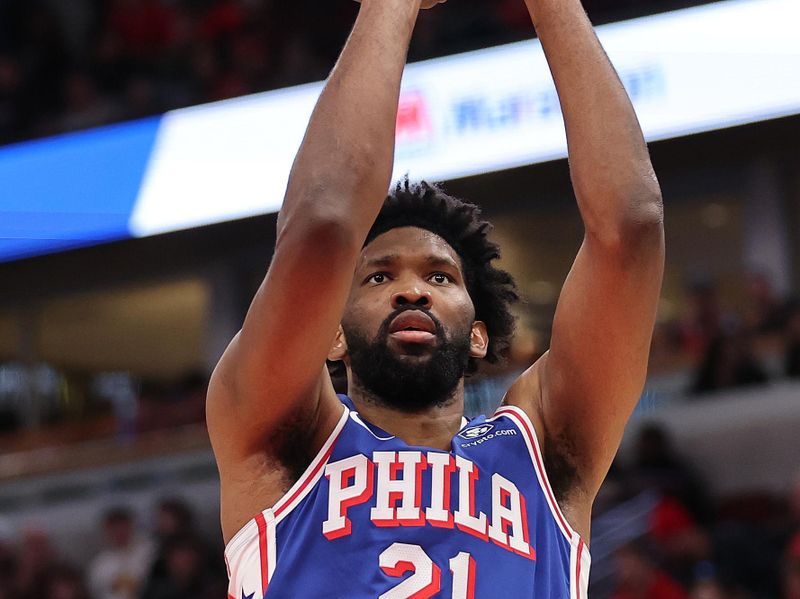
{"x": 373, "y": 517}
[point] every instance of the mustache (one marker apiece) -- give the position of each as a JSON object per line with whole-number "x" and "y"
{"x": 383, "y": 331}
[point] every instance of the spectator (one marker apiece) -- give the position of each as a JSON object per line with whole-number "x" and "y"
{"x": 703, "y": 319}
{"x": 707, "y": 589}
{"x": 729, "y": 362}
{"x": 657, "y": 466}
{"x": 65, "y": 582}
{"x": 119, "y": 571}
{"x": 223, "y": 20}
{"x": 683, "y": 544}
{"x": 639, "y": 578}
{"x": 37, "y": 559}
{"x": 188, "y": 573}
{"x": 8, "y": 571}
{"x": 173, "y": 520}
{"x": 766, "y": 310}
{"x": 145, "y": 27}
{"x": 85, "y": 105}
{"x": 746, "y": 554}
{"x": 711, "y": 588}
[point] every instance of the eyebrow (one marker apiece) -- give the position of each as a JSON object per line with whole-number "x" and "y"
{"x": 391, "y": 259}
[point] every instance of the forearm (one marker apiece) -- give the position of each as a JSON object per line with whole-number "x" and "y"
{"x": 610, "y": 166}
{"x": 344, "y": 164}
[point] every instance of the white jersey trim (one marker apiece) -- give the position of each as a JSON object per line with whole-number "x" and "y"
{"x": 580, "y": 562}
{"x": 357, "y": 419}
{"x": 311, "y": 476}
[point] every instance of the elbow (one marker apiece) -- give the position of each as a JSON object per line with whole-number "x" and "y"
{"x": 313, "y": 205}
{"x": 638, "y": 224}
{"x": 329, "y": 204}
{"x": 317, "y": 229}
{"x": 644, "y": 218}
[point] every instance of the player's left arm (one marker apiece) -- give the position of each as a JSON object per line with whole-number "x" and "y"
{"x": 581, "y": 393}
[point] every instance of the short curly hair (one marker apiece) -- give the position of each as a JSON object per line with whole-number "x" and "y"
{"x": 459, "y": 223}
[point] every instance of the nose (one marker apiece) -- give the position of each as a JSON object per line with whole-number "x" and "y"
{"x": 412, "y": 295}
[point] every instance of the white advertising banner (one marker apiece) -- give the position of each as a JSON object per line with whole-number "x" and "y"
{"x": 687, "y": 71}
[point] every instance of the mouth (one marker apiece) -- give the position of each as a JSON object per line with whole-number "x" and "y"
{"x": 410, "y": 336}
{"x": 413, "y": 326}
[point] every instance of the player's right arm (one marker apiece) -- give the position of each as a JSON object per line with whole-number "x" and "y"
{"x": 273, "y": 372}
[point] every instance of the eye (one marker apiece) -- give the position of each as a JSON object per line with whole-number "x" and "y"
{"x": 377, "y": 278}
{"x": 441, "y": 278}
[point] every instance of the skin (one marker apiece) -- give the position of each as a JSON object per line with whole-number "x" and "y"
{"x": 271, "y": 404}
{"x": 411, "y": 277}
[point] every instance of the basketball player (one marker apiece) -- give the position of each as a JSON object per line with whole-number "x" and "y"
{"x": 389, "y": 492}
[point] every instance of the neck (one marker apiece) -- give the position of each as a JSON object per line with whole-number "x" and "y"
{"x": 433, "y": 426}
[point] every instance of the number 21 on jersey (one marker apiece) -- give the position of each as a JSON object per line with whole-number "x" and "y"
{"x": 426, "y": 580}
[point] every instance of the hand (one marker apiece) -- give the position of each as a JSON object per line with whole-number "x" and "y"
{"x": 425, "y": 3}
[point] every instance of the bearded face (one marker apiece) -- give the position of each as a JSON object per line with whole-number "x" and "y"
{"x": 409, "y": 375}
{"x": 409, "y": 323}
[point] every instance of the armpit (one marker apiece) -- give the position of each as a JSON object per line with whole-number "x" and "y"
{"x": 292, "y": 445}
{"x": 560, "y": 463}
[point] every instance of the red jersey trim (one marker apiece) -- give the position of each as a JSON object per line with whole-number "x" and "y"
{"x": 263, "y": 552}
{"x": 312, "y": 474}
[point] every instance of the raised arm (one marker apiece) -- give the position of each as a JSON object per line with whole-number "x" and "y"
{"x": 274, "y": 369}
{"x": 582, "y": 392}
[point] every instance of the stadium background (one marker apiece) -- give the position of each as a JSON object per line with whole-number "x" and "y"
{"x": 110, "y": 327}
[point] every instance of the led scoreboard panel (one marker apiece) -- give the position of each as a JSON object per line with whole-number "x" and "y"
{"x": 687, "y": 71}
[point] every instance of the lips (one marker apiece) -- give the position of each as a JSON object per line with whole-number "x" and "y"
{"x": 412, "y": 320}
{"x": 413, "y": 327}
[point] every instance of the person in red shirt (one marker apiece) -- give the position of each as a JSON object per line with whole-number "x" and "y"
{"x": 639, "y": 578}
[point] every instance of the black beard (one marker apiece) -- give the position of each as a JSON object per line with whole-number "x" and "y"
{"x": 406, "y": 385}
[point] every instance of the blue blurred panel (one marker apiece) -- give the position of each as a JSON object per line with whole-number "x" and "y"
{"x": 73, "y": 190}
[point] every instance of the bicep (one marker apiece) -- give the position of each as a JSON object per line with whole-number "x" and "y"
{"x": 594, "y": 373}
{"x": 274, "y": 366}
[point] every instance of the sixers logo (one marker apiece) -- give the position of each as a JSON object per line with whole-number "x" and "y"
{"x": 475, "y": 432}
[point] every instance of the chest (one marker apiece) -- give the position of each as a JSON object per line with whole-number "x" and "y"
{"x": 483, "y": 488}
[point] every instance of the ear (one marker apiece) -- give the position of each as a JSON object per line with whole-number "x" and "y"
{"x": 338, "y": 348}
{"x": 478, "y": 340}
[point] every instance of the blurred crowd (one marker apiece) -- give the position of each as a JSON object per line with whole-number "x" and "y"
{"x": 70, "y": 407}
{"x": 169, "y": 562}
{"x": 727, "y": 347}
{"x": 692, "y": 547}
{"x": 66, "y": 66}
{"x": 745, "y": 546}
